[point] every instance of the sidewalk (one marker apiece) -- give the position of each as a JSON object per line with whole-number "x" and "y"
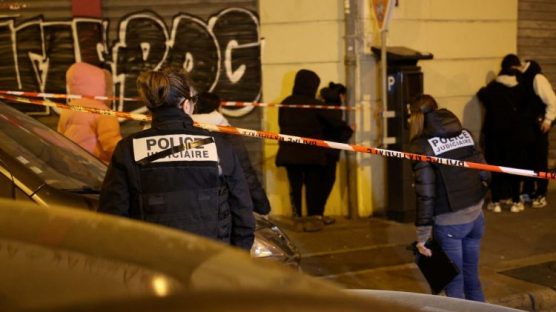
{"x": 518, "y": 256}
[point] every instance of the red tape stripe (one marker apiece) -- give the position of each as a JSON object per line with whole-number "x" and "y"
{"x": 115, "y": 98}
{"x": 307, "y": 141}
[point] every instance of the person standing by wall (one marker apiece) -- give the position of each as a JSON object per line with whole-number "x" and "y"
{"x": 541, "y": 107}
{"x": 333, "y": 94}
{"x": 206, "y": 111}
{"x": 200, "y": 189}
{"x": 449, "y": 199}
{"x": 505, "y": 132}
{"x": 96, "y": 133}
{"x": 305, "y": 164}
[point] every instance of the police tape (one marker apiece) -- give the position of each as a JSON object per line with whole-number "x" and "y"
{"x": 66, "y": 96}
{"x": 78, "y": 108}
{"x": 223, "y": 103}
{"x": 307, "y": 141}
{"x": 313, "y": 106}
{"x": 377, "y": 151}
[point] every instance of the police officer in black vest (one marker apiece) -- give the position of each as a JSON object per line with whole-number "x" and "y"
{"x": 449, "y": 198}
{"x": 176, "y": 175}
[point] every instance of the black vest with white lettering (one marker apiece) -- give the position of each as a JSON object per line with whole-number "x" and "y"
{"x": 456, "y": 187}
{"x": 183, "y": 190}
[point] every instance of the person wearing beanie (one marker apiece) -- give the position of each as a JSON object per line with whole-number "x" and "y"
{"x": 305, "y": 165}
{"x": 541, "y": 111}
{"x": 175, "y": 174}
{"x": 449, "y": 198}
{"x": 334, "y": 94}
{"x": 96, "y": 133}
{"x": 206, "y": 111}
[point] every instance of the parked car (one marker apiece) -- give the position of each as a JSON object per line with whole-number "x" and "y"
{"x": 65, "y": 259}
{"x": 40, "y": 165}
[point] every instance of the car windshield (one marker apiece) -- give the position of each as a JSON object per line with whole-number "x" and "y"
{"x": 58, "y": 161}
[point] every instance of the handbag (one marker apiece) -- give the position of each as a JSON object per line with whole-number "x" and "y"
{"x": 438, "y": 269}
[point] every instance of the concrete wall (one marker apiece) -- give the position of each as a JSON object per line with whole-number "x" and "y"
{"x": 298, "y": 34}
{"x": 468, "y": 39}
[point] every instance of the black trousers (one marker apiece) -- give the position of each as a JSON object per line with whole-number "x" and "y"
{"x": 313, "y": 178}
{"x": 504, "y": 152}
{"x": 504, "y": 186}
{"x": 537, "y": 160}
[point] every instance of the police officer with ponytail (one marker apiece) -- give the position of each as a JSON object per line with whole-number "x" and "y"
{"x": 449, "y": 198}
{"x": 176, "y": 175}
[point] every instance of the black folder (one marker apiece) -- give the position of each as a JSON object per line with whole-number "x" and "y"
{"x": 438, "y": 269}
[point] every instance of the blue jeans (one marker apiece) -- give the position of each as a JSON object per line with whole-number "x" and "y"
{"x": 462, "y": 243}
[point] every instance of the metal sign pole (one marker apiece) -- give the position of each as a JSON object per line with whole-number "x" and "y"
{"x": 384, "y": 79}
{"x": 351, "y": 11}
{"x": 383, "y": 11}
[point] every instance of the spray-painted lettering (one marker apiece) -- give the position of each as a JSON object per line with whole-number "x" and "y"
{"x": 221, "y": 55}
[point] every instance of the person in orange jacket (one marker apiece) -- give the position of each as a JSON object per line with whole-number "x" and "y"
{"x": 96, "y": 133}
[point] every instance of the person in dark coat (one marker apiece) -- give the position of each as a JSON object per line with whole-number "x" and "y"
{"x": 505, "y": 132}
{"x": 206, "y": 111}
{"x": 334, "y": 94}
{"x": 449, "y": 198}
{"x": 200, "y": 189}
{"x": 305, "y": 164}
{"x": 541, "y": 111}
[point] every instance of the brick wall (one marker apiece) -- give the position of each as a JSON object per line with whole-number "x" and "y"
{"x": 537, "y": 40}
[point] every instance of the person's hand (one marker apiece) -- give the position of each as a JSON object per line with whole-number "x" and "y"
{"x": 424, "y": 250}
{"x": 545, "y": 127}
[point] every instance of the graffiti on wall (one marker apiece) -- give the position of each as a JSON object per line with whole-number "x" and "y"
{"x": 221, "y": 55}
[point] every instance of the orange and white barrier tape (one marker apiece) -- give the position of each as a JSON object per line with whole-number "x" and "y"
{"x": 115, "y": 98}
{"x": 376, "y": 151}
{"x": 66, "y": 96}
{"x": 309, "y": 141}
{"x": 313, "y": 106}
{"x": 78, "y": 108}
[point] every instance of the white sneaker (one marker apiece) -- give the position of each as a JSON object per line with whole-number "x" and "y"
{"x": 494, "y": 207}
{"x": 539, "y": 202}
{"x": 517, "y": 207}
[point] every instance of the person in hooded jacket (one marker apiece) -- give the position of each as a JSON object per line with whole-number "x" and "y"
{"x": 206, "y": 111}
{"x": 305, "y": 164}
{"x": 505, "y": 132}
{"x": 334, "y": 94}
{"x": 541, "y": 108}
{"x": 200, "y": 189}
{"x": 96, "y": 133}
{"x": 449, "y": 198}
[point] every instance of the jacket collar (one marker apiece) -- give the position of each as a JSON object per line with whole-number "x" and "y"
{"x": 170, "y": 115}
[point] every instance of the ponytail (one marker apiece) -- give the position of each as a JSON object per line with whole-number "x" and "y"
{"x": 167, "y": 87}
{"x": 153, "y": 87}
{"x": 422, "y": 105}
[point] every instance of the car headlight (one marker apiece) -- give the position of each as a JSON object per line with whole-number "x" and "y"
{"x": 262, "y": 248}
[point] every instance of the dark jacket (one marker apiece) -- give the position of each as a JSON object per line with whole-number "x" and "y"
{"x": 303, "y": 122}
{"x": 331, "y": 96}
{"x": 201, "y": 190}
{"x": 535, "y": 108}
{"x": 440, "y": 188}
{"x": 261, "y": 204}
{"x": 506, "y": 131}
